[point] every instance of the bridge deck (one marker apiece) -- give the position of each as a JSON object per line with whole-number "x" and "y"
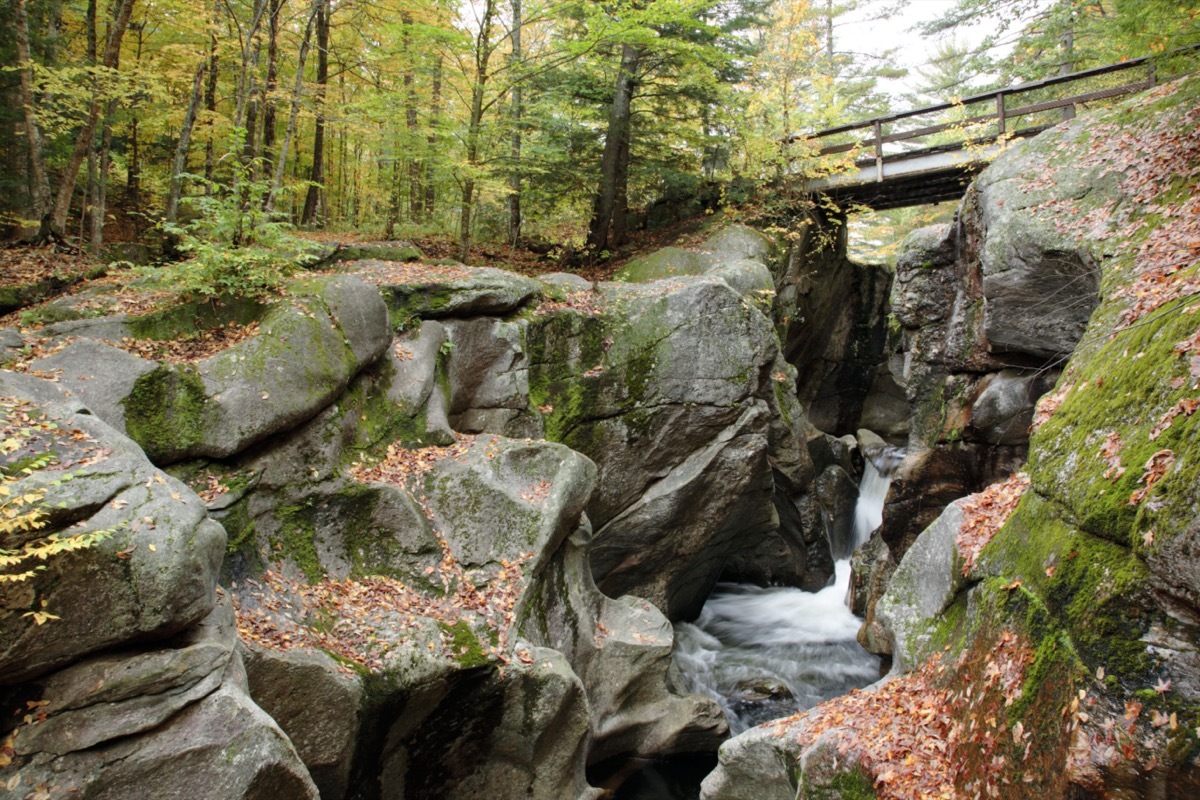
{"x": 897, "y": 172}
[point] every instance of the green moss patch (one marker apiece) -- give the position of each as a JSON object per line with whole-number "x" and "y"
{"x": 1090, "y": 587}
{"x": 1125, "y": 388}
{"x": 464, "y": 645}
{"x": 166, "y": 411}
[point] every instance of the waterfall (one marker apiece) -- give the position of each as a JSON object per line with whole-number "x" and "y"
{"x": 765, "y": 653}
{"x": 881, "y": 465}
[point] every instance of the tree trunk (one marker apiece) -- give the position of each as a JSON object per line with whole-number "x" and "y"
{"x": 181, "y": 148}
{"x": 620, "y": 218}
{"x": 245, "y": 80}
{"x": 415, "y": 193}
{"x": 514, "y": 177}
{"x": 394, "y": 205}
{"x": 268, "y": 135}
{"x": 483, "y": 55}
{"x": 616, "y": 151}
{"x": 435, "y": 111}
{"x": 210, "y": 101}
{"x": 112, "y": 50}
{"x": 297, "y": 91}
{"x": 133, "y": 180}
{"x": 40, "y": 190}
{"x": 100, "y": 187}
{"x": 316, "y": 187}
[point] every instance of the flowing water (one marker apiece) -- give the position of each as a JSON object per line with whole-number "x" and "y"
{"x": 766, "y": 653}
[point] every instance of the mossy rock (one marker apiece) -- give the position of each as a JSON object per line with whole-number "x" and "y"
{"x": 668, "y": 262}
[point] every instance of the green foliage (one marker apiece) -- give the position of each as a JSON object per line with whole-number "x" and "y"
{"x": 24, "y": 551}
{"x": 237, "y": 247}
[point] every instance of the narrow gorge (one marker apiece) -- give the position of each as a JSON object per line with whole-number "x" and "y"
{"x": 421, "y": 530}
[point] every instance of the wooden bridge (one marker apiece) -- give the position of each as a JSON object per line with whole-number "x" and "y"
{"x": 899, "y": 165}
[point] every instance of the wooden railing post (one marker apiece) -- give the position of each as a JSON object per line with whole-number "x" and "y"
{"x": 1000, "y": 128}
{"x": 878, "y": 151}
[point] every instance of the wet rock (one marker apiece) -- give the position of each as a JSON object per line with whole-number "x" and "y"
{"x": 757, "y": 765}
{"x": 621, "y": 649}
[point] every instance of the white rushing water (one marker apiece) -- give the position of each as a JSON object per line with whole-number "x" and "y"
{"x": 868, "y": 511}
{"x": 767, "y": 653}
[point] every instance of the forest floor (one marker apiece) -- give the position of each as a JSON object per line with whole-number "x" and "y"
{"x": 22, "y": 265}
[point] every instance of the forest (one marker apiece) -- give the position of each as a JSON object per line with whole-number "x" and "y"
{"x": 532, "y": 122}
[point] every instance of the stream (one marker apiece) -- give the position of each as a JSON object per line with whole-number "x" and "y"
{"x": 767, "y": 653}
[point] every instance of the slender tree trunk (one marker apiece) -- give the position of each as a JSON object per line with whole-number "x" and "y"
{"x": 297, "y": 92}
{"x": 181, "y": 148}
{"x": 253, "y": 101}
{"x": 133, "y": 180}
{"x": 40, "y": 190}
{"x": 316, "y": 187}
{"x": 514, "y": 177}
{"x": 394, "y": 205}
{"x": 268, "y": 134}
{"x": 210, "y": 101}
{"x": 245, "y": 81}
{"x": 616, "y": 150}
{"x": 112, "y": 50}
{"x": 410, "y": 124}
{"x": 483, "y": 55}
{"x": 435, "y": 111}
{"x": 90, "y": 189}
{"x": 100, "y": 188}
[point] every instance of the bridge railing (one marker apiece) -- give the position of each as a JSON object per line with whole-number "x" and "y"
{"x": 980, "y": 119}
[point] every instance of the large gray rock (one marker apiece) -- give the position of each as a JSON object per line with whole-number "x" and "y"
{"x": 306, "y": 354}
{"x": 760, "y": 764}
{"x": 122, "y": 694}
{"x": 223, "y": 746}
{"x": 667, "y": 262}
{"x": 489, "y": 378}
{"x": 922, "y": 587}
{"x": 1002, "y": 413}
{"x": 669, "y": 391}
{"x": 736, "y": 254}
{"x": 297, "y": 365}
{"x": 99, "y": 375}
{"x": 436, "y": 292}
{"x": 735, "y": 243}
{"x": 505, "y": 499}
{"x": 153, "y": 577}
{"x": 174, "y": 716}
{"x": 621, "y": 649}
{"x": 520, "y": 732}
{"x": 316, "y": 704}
